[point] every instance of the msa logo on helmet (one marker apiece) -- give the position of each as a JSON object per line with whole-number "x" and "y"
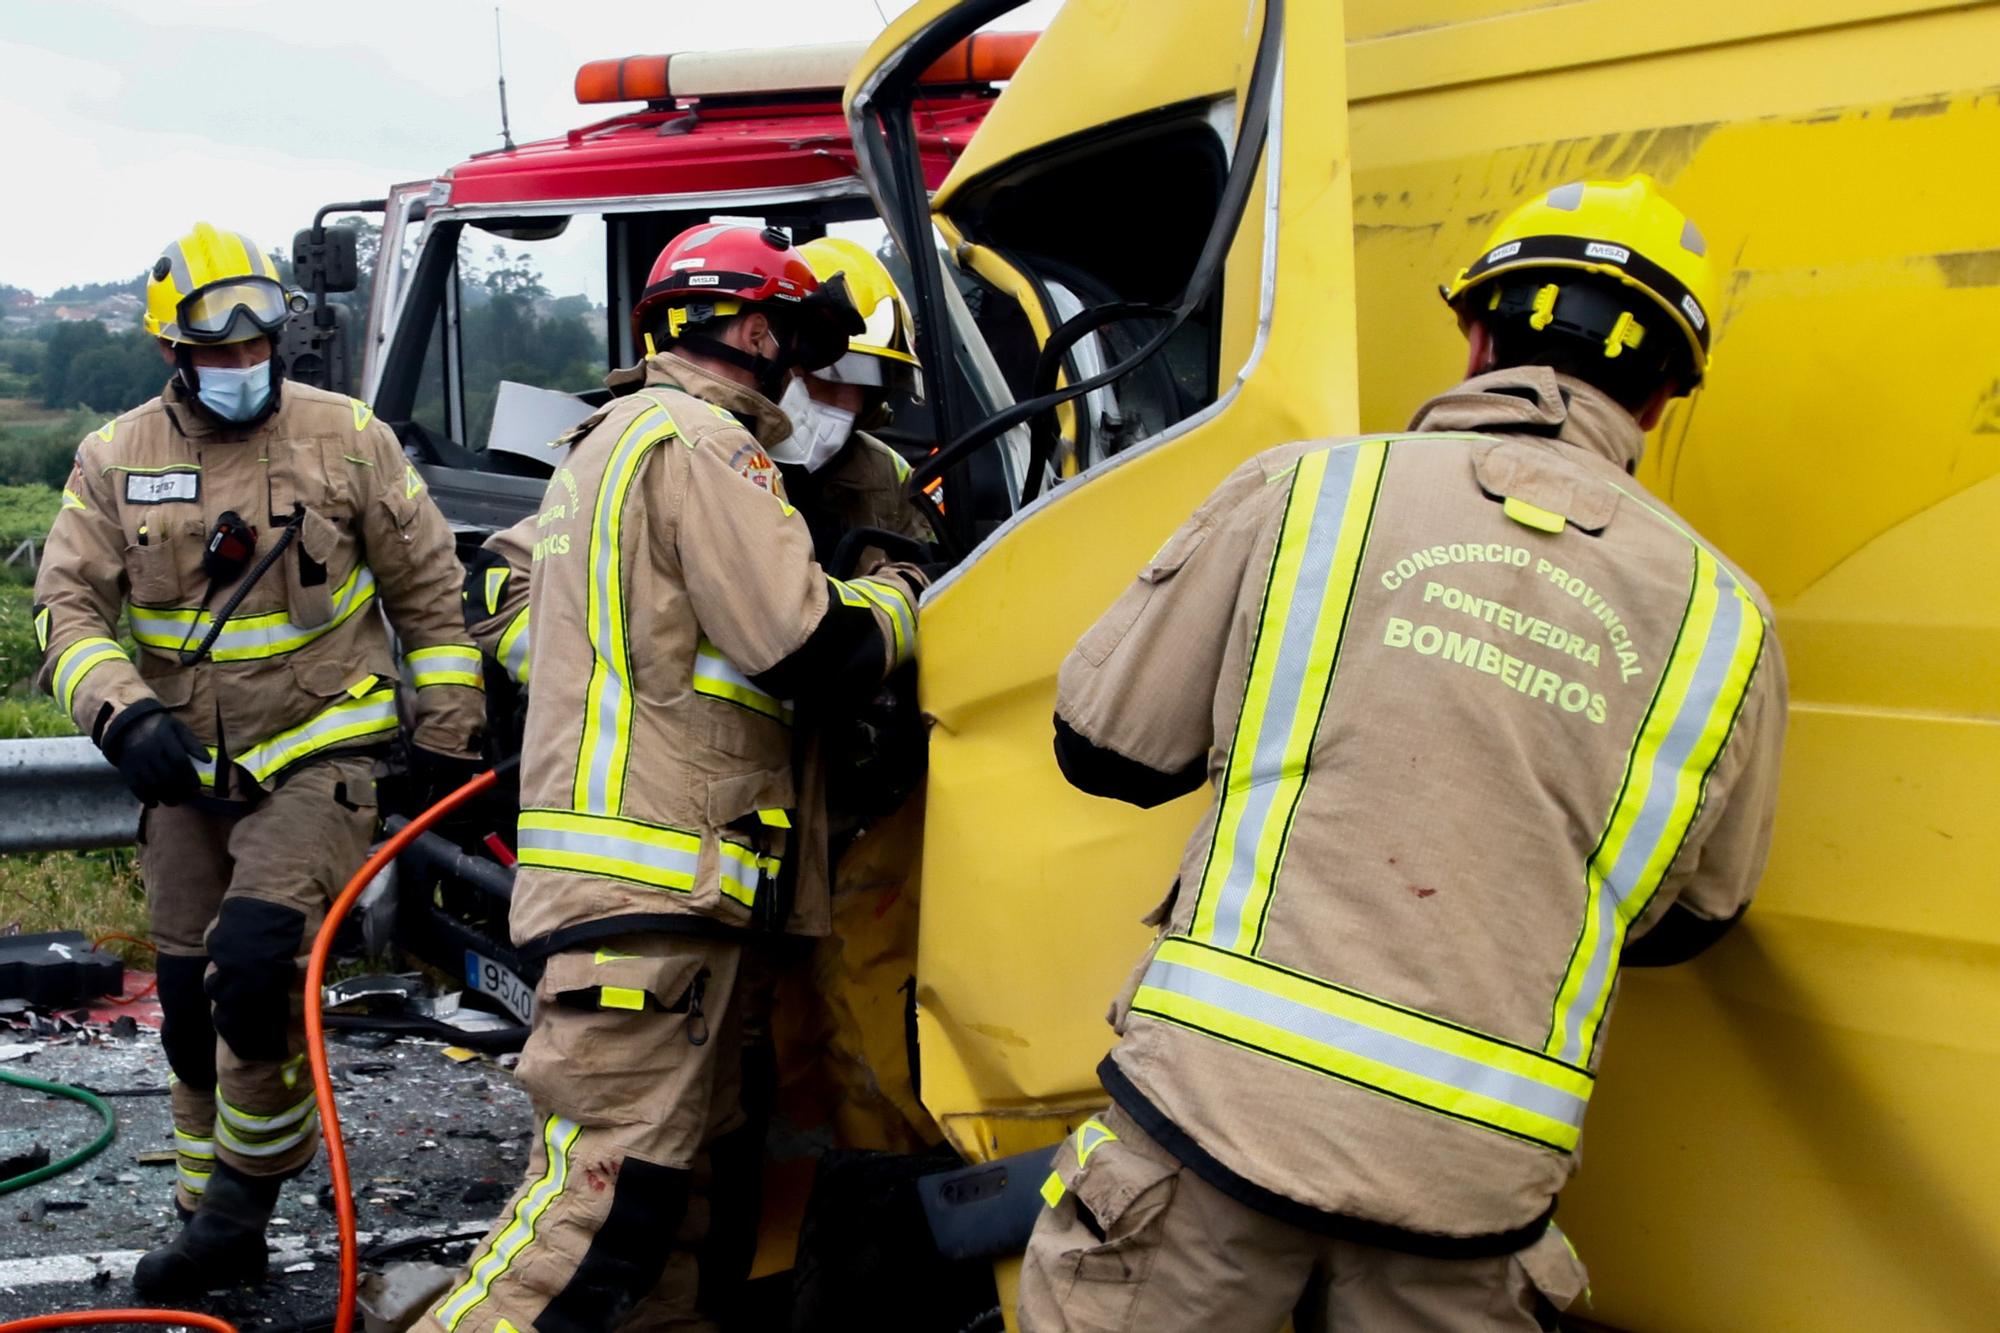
{"x": 1617, "y": 254}
{"x": 1500, "y": 252}
{"x": 704, "y": 279}
{"x": 1695, "y": 317}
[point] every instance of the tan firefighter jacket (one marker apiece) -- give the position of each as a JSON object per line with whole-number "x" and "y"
{"x": 1476, "y": 711}
{"x": 864, "y": 486}
{"x": 303, "y": 666}
{"x": 657, "y": 787}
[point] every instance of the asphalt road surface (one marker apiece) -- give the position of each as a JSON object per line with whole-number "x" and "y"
{"x": 435, "y": 1147}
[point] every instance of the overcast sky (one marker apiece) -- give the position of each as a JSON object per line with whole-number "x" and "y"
{"x": 126, "y": 120}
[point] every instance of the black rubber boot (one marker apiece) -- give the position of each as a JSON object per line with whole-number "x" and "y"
{"x": 221, "y": 1246}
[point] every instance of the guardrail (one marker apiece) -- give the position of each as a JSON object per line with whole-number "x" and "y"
{"x": 62, "y": 795}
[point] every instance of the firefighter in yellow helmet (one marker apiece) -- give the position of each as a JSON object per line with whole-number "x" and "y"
{"x": 839, "y": 475}
{"x": 255, "y": 532}
{"x": 1480, "y": 721}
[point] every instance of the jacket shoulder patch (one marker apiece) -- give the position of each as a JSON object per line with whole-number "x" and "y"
{"x": 363, "y": 414}
{"x": 754, "y": 465}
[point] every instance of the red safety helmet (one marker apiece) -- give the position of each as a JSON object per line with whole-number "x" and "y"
{"x": 718, "y": 270}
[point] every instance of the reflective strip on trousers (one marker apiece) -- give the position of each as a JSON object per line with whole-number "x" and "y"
{"x": 599, "y": 787}
{"x": 1367, "y": 1042}
{"x": 270, "y": 1144}
{"x": 1293, "y": 657}
{"x": 558, "y": 1138}
{"x": 248, "y": 638}
{"x": 194, "y": 1162}
{"x": 250, "y": 1123}
{"x": 717, "y": 677}
{"x": 373, "y": 715}
{"x": 1690, "y": 718}
{"x": 649, "y": 855}
{"x": 77, "y": 661}
{"x": 513, "y": 648}
{"x": 447, "y": 664}
{"x": 1091, "y": 1135}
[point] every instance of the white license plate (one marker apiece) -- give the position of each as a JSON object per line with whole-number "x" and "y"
{"x": 490, "y": 978}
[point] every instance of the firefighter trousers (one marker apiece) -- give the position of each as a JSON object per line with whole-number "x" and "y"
{"x": 1133, "y": 1240}
{"x": 641, "y": 1184}
{"x": 234, "y": 900}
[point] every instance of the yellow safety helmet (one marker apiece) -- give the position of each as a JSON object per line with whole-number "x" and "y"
{"x": 212, "y": 286}
{"x": 882, "y": 353}
{"x": 1625, "y": 230}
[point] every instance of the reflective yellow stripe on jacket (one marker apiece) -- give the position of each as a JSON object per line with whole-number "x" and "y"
{"x": 447, "y": 664}
{"x": 512, "y": 649}
{"x": 368, "y": 715}
{"x": 77, "y": 661}
{"x": 652, "y": 855}
{"x": 248, "y": 638}
{"x": 717, "y": 677}
{"x": 1313, "y": 567}
{"x": 1356, "y": 1038}
{"x": 607, "y": 725}
{"x": 893, "y": 602}
{"x": 1692, "y": 713}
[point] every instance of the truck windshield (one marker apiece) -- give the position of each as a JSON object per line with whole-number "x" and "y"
{"x": 509, "y": 324}
{"x": 515, "y": 302}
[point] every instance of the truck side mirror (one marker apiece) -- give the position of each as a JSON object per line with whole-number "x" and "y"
{"x": 323, "y": 260}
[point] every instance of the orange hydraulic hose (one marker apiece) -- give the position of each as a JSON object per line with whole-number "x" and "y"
{"x": 86, "y": 1318}
{"x": 329, "y": 1114}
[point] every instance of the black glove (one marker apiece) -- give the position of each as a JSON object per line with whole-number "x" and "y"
{"x": 439, "y": 775}
{"x": 155, "y": 753}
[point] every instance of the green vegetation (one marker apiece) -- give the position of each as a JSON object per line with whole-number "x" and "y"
{"x": 37, "y": 447}
{"x": 20, "y": 367}
{"x": 85, "y": 363}
{"x": 94, "y": 892}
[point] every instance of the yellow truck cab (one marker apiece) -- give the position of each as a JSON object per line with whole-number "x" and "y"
{"x": 1793, "y": 1131}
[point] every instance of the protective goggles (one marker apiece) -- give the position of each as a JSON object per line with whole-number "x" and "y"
{"x": 216, "y": 313}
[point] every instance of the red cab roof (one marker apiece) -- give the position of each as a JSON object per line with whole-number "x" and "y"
{"x": 700, "y": 148}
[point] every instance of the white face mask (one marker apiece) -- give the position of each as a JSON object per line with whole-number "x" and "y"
{"x": 235, "y": 394}
{"x": 818, "y": 431}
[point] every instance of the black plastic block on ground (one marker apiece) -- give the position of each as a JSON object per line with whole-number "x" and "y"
{"x": 57, "y": 969}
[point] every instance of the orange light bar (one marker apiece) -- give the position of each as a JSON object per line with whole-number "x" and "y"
{"x": 623, "y": 79}
{"x": 984, "y": 57}
{"x": 987, "y": 57}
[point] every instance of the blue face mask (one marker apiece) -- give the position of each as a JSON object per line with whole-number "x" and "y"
{"x": 235, "y": 395}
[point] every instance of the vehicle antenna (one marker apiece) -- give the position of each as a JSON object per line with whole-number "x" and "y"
{"x": 500, "y": 64}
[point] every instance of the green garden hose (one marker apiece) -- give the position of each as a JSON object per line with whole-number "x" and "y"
{"x": 81, "y": 1155}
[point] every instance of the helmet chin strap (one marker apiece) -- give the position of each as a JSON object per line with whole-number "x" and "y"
{"x": 190, "y": 378}
{"x": 769, "y": 373}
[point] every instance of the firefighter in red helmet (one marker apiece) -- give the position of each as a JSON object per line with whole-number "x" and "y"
{"x": 685, "y": 646}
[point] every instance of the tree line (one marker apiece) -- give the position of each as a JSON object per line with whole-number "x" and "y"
{"x": 85, "y": 365}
